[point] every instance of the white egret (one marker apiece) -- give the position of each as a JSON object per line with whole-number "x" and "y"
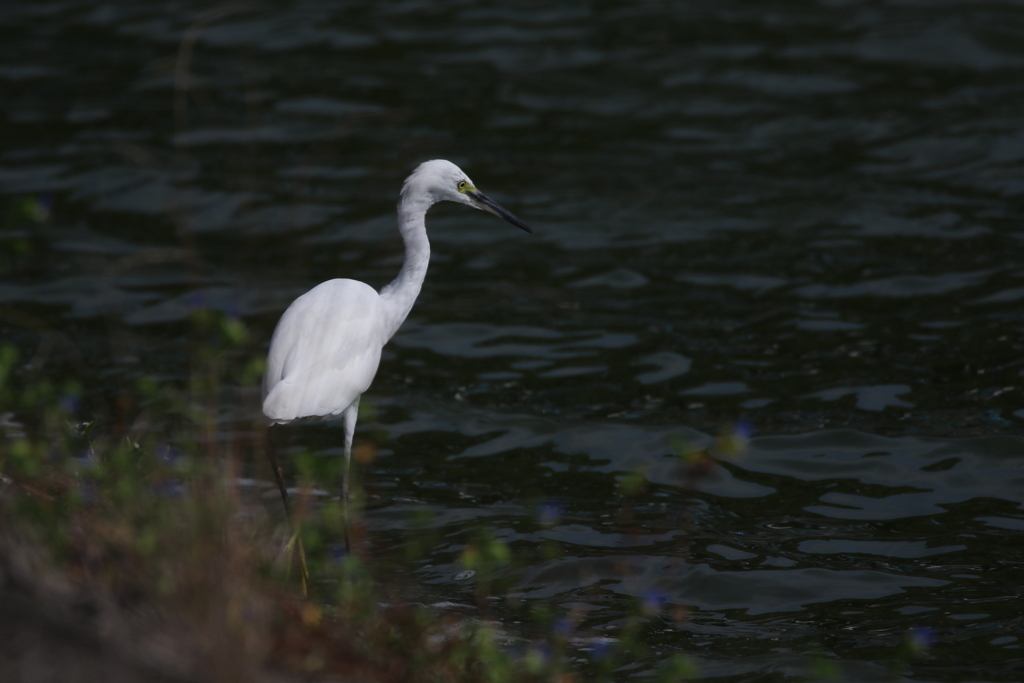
{"x": 327, "y": 345}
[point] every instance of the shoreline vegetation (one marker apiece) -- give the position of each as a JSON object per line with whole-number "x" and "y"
{"x": 136, "y": 550}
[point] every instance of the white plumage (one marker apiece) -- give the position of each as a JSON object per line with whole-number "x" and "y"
{"x": 327, "y": 345}
{"x": 324, "y": 352}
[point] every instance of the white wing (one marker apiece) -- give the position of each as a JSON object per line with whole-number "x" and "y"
{"x": 324, "y": 352}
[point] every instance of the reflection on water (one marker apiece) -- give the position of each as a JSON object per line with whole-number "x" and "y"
{"x": 805, "y": 216}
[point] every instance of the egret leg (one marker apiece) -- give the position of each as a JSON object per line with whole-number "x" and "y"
{"x": 279, "y": 476}
{"x": 351, "y": 415}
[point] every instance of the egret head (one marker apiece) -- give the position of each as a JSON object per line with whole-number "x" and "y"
{"x": 442, "y": 181}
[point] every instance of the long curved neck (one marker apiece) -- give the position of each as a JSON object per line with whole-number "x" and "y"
{"x": 399, "y": 296}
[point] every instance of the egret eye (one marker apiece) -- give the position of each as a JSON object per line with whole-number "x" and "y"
{"x": 462, "y": 185}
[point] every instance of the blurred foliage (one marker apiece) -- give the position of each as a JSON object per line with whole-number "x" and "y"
{"x": 157, "y": 514}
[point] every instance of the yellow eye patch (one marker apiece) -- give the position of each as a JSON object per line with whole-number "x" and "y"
{"x": 463, "y": 186}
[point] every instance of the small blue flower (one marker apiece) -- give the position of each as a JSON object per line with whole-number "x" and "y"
{"x": 599, "y": 650}
{"x": 550, "y": 513}
{"x": 743, "y": 429}
{"x": 652, "y": 602}
{"x": 39, "y": 208}
{"x": 196, "y": 300}
{"x": 920, "y": 639}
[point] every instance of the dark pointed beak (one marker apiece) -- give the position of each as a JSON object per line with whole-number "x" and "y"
{"x": 485, "y": 203}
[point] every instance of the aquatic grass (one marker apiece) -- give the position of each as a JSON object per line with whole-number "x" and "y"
{"x": 215, "y": 563}
{"x": 203, "y": 557}
{"x": 149, "y": 512}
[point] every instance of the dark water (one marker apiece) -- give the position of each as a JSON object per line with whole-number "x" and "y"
{"x": 805, "y": 216}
